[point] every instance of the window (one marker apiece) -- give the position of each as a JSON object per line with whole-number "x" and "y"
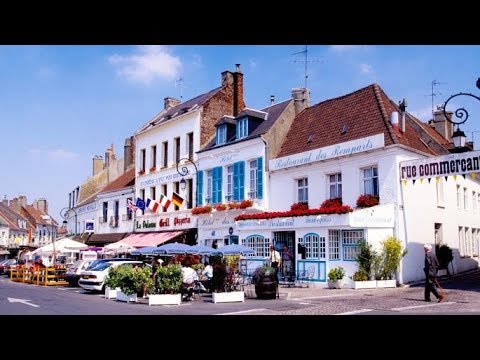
{"x": 129, "y": 211}
{"x": 176, "y": 188}
{"x": 253, "y": 179}
{"x": 474, "y": 201}
{"x": 465, "y": 198}
{"x": 475, "y": 241}
{"x": 142, "y": 160}
{"x": 221, "y": 134}
{"x": 302, "y": 190}
{"x": 258, "y": 243}
{"x": 335, "y": 185}
{"x": 190, "y": 145}
{"x": 459, "y": 199}
{"x": 468, "y": 250}
{"x": 177, "y": 149}
{"x": 440, "y": 194}
{"x": 461, "y": 241}
{"x": 115, "y": 212}
{"x": 165, "y": 153}
{"x": 153, "y": 157}
{"x": 153, "y": 193}
{"x": 189, "y": 193}
{"x": 164, "y": 192}
{"x": 350, "y": 239}
{"x": 313, "y": 243}
{"x": 370, "y": 181}
{"x": 105, "y": 211}
{"x": 229, "y": 195}
{"x": 208, "y": 198}
{"x": 242, "y": 128}
{"x": 334, "y": 244}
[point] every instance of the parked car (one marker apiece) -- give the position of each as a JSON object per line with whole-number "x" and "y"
{"x": 94, "y": 263}
{"x": 74, "y": 271}
{"x": 3, "y": 264}
{"x": 93, "y": 280}
{"x": 8, "y": 266}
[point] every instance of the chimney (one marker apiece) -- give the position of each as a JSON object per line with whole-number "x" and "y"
{"x": 301, "y": 98}
{"x": 227, "y": 78}
{"x": 5, "y": 200}
{"x": 109, "y": 157}
{"x": 170, "y": 102}
{"x": 128, "y": 153}
{"x": 237, "y": 91}
{"x": 441, "y": 124}
{"x": 272, "y": 99}
{"x": 394, "y": 120}
{"x": 22, "y": 200}
{"x": 97, "y": 165}
{"x": 403, "y": 105}
{"x": 15, "y": 205}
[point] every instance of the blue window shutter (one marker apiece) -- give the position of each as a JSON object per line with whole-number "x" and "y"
{"x": 241, "y": 180}
{"x": 260, "y": 177}
{"x": 235, "y": 182}
{"x": 199, "y": 187}
{"x": 219, "y": 184}
{"x": 214, "y": 185}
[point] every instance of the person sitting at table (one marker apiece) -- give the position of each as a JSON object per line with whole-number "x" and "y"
{"x": 208, "y": 272}
{"x": 188, "y": 282}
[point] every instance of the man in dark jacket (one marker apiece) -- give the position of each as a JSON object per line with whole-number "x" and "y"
{"x": 431, "y": 265}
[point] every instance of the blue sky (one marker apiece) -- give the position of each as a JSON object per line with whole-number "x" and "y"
{"x": 61, "y": 105}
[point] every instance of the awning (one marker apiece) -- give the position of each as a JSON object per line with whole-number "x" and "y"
{"x": 105, "y": 238}
{"x": 4, "y": 252}
{"x": 150, "y": 239}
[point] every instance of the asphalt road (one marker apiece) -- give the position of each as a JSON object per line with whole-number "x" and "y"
{"x": 463, "y": 297}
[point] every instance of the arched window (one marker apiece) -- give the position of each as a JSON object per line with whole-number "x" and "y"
{"x": 260, "y": 244}
{"x": 314, "y": 246}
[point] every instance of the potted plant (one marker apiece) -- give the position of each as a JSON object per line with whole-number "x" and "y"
{"x": 362, "y": 277}
{"x": 132, "y": 281}
{"x": 265, "y": 282}
{"x": 166, "y": 291}
{"x": 335, "y": 277}
{"x": 388, "y": 262}
{"x": 112, "y": 283}
{"x": 225, "y": 282}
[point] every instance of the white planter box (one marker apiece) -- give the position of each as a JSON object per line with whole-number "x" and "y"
{"x": 335, "y": 284}
{"x": 233, "y": 296}
{"x": 442, "y": 272}
{"x": 127, "y": 298}
{"x": 111, "y": 293}
{"x": 386, "y": 283}
{"x": 369, "y": 284}
{"x": 164, "y": 299}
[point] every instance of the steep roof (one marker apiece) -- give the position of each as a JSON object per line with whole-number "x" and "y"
{"x": 11, "y": 217}
{"x": 356, "y": 115}
{"x": 36, "y": 214}
{"x": 127, "y": 179}
{"x": 270, "y": 114}
{"x": 180, "y": 109}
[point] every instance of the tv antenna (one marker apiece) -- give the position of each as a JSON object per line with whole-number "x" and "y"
{"x": 302, "y": 57}
{"x": 180, "y": 82}
{"x": 433, "y": 94}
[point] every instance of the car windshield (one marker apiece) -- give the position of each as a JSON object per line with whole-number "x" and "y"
{"x": 102, "y": 266}
{"x": 93, "y": 264}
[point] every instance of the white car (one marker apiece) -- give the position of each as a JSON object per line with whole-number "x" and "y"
{"x": 93, "y": 280}
{"x": 74, "y": 271}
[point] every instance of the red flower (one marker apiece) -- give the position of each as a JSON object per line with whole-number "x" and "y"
{"x": 364, "y": 201}
{"x": 299, "y": 206}
{"x": 153, "y": 168}
{"x": 202, "y": 210}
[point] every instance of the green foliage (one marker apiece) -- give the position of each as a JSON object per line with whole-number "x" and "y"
{"x": 390, "y": 257}
{"x": 198, "y": 266}
{"x": 360, "y": 275}
{"x": 365, "y": 258}
{"x": 169, "y": 279}
{"x": 131, "y": 280}
{"x": 112, "y": 278}
{"x": 444, "y": 255}
{"x": 336, "y": 273}
{"x": 261, "y": 272}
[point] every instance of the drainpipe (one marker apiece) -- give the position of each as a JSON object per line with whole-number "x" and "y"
{"x": 266, "y": 178}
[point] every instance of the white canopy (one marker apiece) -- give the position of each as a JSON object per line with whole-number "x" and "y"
{"x": 61, "y": 245}
{"x": 119, "y": 246}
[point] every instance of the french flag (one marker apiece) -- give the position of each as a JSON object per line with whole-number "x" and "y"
{"x": 165, "y": 202}
{"x": 152, "y": 205}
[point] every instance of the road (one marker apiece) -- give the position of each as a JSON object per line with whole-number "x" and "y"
{"x": 463, "y": 297}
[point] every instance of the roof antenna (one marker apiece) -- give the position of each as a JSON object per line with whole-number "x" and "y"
{"x": 180, "y": 82}
{"x": 433, "y": 94}
{"x": 305, "y": 60}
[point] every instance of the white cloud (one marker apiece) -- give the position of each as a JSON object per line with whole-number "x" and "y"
{"x": 147, "y": 64}
{"x": 366, "y": 69}
{"x": 423, "y": 114}
{"x": 253, "y": 64}
{"x": 56, "y": 154}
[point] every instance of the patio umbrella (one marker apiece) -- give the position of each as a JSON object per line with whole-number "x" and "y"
{"x": 234, "y": 249}
{"x": 146, "y": 250}
{"x": 172, "y": 248}
{"x": 201, "y": 249}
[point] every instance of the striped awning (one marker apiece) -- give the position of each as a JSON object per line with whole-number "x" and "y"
{"x": 150, "y": 239}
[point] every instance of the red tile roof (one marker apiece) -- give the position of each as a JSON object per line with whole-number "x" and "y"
{"x": 362, "y": 113}
{"x": 125, "y": 180}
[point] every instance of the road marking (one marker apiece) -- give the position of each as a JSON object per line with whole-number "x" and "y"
{"x": 21, "y": 301}
{"x": 355, "y": 312}
{"x": 422, "y": 306}
{"x": 242, "y": 312}
{"x": 320, "y": 297}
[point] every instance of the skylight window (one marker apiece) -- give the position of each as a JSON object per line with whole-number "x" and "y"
{"x": 310, "y": 138}
{"x": 344, "y": 129}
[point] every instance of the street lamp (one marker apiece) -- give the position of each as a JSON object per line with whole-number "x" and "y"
{"x": 183, "y": 172}
{"x": 64, "y": 213}
{"x": 458, "y": 136}
{"x": 52, "y": 235}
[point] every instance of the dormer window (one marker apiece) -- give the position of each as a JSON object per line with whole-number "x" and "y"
{"x": 242, "y": 128}
{"x": 221, "y": 135}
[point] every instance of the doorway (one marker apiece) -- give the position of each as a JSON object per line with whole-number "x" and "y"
{"x": 281, "y": 239}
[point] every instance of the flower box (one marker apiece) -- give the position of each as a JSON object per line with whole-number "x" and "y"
{"x": 338, "y": 284}
{"x": 368, "y": 284}
{"x": 232, "y": 296}
{"x": 111, "y": 293}
{"x": 165, "y": 299}
{"x": 386, "y": 283}
{"x": 121, "y": 296}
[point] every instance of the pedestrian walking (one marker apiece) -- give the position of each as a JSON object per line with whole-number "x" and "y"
{"x": 431, "y": 265}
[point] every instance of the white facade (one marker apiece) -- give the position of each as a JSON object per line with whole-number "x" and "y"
{"x": 112, "y": 215}
{"x": 4, "y": 235}
{"x": 79, "y": 216}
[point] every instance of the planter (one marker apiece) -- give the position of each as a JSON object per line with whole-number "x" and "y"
{"x": 111, "y": 293}
{"x": 232, "y": 296}
{"x": 335, "y": 284}
{"x": 369, "y": 284}
{"x": 442, "y": 272}
{"x": 266, "y": 287}
{"x": 121, "y": 296}
{"x": 386, "y": 283}
{"x": 165, "y": 299}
